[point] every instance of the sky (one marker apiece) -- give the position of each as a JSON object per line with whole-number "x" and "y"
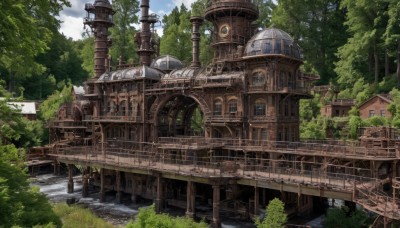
{"x": 72, "y": 17}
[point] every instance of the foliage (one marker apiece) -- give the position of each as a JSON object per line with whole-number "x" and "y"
{"x": 76, "y": 216}
{"x": 265, "y": 7}
{"x": 122, "y": 32}
{"x": 20, "y": 205}
{"x": 177, "y": 32}
{"x": 147, "y": 218}
{"x": 354, "y": 123}
{"x": 318, "y": 27}
{"x": 314, "y": 129}
{"x": 275, "y": 215}
{"x": 50, "y": 106}
{"x": 342, "y": 217}
{"x": 17, "y": 129}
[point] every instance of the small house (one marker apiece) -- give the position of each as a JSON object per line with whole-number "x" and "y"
{"x": 376, "y": 106}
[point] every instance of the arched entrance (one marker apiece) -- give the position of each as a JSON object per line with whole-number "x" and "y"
{"x": 180, "y": 116}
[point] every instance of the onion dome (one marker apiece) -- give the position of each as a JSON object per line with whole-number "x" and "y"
{"x": 272, "y": 41}
{"x": 167, "y": 63}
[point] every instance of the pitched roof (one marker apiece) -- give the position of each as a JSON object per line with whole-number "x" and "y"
{"x": 384, "y": 97}
{"x": 25, "y": 107}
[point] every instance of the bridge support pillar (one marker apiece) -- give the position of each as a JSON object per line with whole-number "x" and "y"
{"x": 256, "y": 201}
{"x": 85, "y": 182}
{"x": 70, "y": 188}
{"x": 102, "y": 186}
{"x": 158, "y": 200}
{"x": 190, "y": 199}
{"x": 118, "y": 182}
{"x": 133, "y": 195}
{"x": 216, "y": 223}
{"x": 56, "y": 170}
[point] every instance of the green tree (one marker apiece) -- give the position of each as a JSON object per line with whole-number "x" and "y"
{"x": 275, "y": 215}
{"x": 265, "y": 8}
{"x": 147, "y": 218}
{"x": 177, "y": 32}
{"x": 318, "y": 27}
{"x": 361, "y": 56}
{"x": 25, "y": 31}
{"x": 122, "y": 32}
{"x": 342, "y": 217}
{"x": 50, "y": 106}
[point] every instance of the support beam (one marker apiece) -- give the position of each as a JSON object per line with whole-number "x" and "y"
{"x": 85, "y": 182}
{"x": 191, "y": 199}
{"x": 158, "y": 200}
{"x": 133, "y": 194}
{"x": 70, "y": 179}
{"x": 216, "y": 223}
{"x": 56, "y": 170}
{"x": 118, "y": 182}
{"x": 256, "y": 201}
{"x": 102, "y": 186}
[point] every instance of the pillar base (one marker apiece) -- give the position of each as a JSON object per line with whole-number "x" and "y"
{"x": 70, "y": 186}
{"x": 118, "y": 197}
{"x": 189, "y": 214}
{"x": 133, "y": 198}
{"x": 158, "y": 204}
{"x": 216, "y": 223}
{"x": 85, "y": 189}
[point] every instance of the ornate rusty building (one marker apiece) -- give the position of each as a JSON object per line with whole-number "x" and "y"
{"x": 163, "y": 131}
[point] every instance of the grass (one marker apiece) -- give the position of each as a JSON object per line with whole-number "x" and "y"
{"x": 75, "y": 217}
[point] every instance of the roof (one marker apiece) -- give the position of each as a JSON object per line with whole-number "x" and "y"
{"x": 78, "y": 90}
{"x": 25, "y": 107}
{"x": 131, "y": 73}
{"x": 167, "y": 63}
{"x": 384, "y": 97}
{"x": 272, "y": 41}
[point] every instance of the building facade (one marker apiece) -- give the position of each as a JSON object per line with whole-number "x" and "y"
{"x": 225, "y": 136}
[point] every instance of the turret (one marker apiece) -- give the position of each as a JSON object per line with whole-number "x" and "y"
{"x": 232, "y": 20}
{"x": 99, "y": 19}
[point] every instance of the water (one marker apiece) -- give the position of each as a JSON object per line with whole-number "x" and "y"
{"x": 55, "y": 188}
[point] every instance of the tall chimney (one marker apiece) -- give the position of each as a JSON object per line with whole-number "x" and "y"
{"x": 196, "y": 23}
{"x": 145, "y": 51}
{"x": 99, "y": 19}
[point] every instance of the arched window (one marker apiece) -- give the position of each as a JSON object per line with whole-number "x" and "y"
{"x": 217, "y": 108}
{"x": 258, "y": 78}
{"x": 260, "y": 108}
{"x": 232, "y": 106}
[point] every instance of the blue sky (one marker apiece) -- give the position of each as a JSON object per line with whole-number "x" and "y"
{"x": 72, "y": 17}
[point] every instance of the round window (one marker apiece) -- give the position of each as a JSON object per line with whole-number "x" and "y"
{"x": 224, "y": 31}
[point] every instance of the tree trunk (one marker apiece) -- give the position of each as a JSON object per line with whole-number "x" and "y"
{"x": 387, "y": 67}
{"x": 376, "y": 65}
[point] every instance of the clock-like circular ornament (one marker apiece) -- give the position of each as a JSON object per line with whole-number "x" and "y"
{"x": 224, "y": 30}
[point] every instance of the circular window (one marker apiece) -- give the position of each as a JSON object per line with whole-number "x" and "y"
{"x": 224, "y": 31}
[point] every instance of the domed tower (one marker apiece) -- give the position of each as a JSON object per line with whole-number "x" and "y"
{"x": 232, "y": 20}
{"x": 99, "y": 19}
{"x": 274, "y": 85}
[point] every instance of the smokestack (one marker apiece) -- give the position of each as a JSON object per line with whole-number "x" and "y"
{"x": 196, "y": 23}
{"x": 145, "y": 49}
{"x": 99, "y": 19}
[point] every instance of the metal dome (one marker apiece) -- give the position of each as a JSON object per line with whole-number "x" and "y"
{"x": 132, "y": 73}
{"x": 272, "y": 41}
{"x": 184, "y": 73}
{"x": 167, "y": 63}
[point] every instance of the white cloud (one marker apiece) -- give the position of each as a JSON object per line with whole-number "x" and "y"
{"x": 72, "y": 19}
{"x": 72, "y": 27}
{"x": 188, "y": 3}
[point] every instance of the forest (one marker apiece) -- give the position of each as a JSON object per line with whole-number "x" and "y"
{"x": 351, "y": 44}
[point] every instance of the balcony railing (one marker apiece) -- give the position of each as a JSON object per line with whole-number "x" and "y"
{"x": 113, "y": 118}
